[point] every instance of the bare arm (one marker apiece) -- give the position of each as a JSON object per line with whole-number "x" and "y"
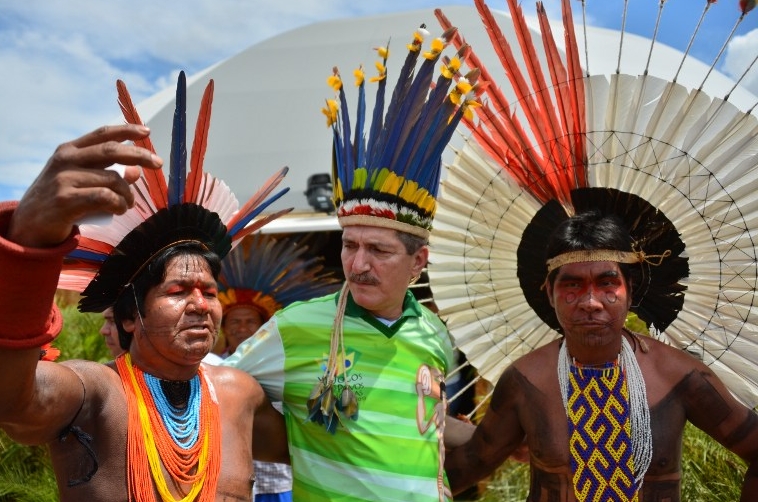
{"x": 494, "y": 439}
{"x": 38, "y": 399}
{"x": 270, "y": 434}
{"x": 712, "y": 408}
{"x": 457, "y": 431}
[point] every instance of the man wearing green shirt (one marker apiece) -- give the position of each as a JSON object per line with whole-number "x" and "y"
{"x": 361, "y": 372}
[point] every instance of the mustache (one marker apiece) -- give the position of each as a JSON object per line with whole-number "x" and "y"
{"x": 364, "y": 278}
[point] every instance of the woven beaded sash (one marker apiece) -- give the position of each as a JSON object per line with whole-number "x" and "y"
{"x": 600, "y": 434}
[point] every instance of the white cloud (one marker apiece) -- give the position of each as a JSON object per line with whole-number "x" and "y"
{"x": 61, "y": 59}
{"x": 742, "y": 52}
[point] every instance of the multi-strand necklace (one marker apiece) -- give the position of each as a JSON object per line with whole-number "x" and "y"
{"x": 610, "y": 439}
{"x": 178, "y": 433}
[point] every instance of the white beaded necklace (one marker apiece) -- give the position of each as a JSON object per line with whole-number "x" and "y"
{"x": 642, "y": 435}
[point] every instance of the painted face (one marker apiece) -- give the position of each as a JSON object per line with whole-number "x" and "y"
{"x": 110, "y": 333}
{"x": 378, "y": 269}
{"x": 182, "y": 314}
{"x": 240, "y": 323}
{"x": 591, "y": 301}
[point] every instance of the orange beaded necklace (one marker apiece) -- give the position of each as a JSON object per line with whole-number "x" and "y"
{"x": 151, "y": 448}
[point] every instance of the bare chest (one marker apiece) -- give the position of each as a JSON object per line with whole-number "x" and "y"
{"x": 92, "y": 459}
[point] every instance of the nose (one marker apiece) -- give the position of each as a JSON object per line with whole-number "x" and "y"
{"x": 361, "y": 261}
{"x": 198, "y": 301}
{"x": 592, "y": 299}
{"x": 589, "y": 301}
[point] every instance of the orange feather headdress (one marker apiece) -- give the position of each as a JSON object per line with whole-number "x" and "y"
{"x": 678, "y": 166}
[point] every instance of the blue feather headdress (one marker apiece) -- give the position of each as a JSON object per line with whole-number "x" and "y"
{"x": 268, "y": 273}
{"x": 391, "y": 179}
{"x": 192, "y": 206}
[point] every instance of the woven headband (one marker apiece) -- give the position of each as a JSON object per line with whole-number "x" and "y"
{"x": 604, "y": 255}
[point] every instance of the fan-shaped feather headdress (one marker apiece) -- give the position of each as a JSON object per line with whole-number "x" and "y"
{"x": 268, "y": 274}
{"x": 192, "y": 206}
{"x": 678, "y": 166}
{"x": 391, "y": 179}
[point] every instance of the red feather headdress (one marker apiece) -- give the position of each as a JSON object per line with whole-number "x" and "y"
{"x": 192, "y": 206}
{"x": 678, "y": 166}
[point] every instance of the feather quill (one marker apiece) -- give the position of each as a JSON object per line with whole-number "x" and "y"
{"x": 199, "y": 145}
{"x": 156, "y": 181}
{"x": 178, "y": 157}
{"x": 258, "y": 197}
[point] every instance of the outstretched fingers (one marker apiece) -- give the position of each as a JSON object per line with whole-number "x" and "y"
{"x": 76, "y": 183}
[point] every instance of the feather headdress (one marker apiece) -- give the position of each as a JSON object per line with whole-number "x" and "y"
{"x": 268, "y": 274}
{"x": 677, "y": 165}
{"x": 391, "y": 179}
{"x": 191, "y": 206}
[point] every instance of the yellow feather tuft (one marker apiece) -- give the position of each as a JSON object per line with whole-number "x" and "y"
{"x": 359, "y": 76}
{"x": 437, "y": 45}
{"x": 463, "y": 86}
{"x": 415, "y": 45}
{"x": 409, "y": 191}
{"x": 425, "y": 201}
{"x": 382, "y": 70}
{"x": 451, "y": 68}
{"x": 392, "y": 184}
{"x": 330, "y": 111}
{"x": 334, "y": 81}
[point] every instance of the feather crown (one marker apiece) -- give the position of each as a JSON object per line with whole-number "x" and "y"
{"x": 269, "y": 274}
{"x": 548, "y": 156}
{"x": 192, "y": 206}
{"x": 391, "y": 179}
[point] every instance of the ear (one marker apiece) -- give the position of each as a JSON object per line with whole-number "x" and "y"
{"x": 129, "y": 325}
{"x": 420, "y": 259}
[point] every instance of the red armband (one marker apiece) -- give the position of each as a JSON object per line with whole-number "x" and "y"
{"x": 28, "y": 281}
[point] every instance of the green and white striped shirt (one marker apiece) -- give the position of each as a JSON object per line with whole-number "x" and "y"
{"x": 392, "y": 452}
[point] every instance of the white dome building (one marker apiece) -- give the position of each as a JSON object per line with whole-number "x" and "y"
{"x": 267, "y": 99}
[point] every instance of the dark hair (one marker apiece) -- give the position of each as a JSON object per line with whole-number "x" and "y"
{"x": 132, "y": 298}
{"x": 412, "y": 243}
{"x": 591, "y": 230}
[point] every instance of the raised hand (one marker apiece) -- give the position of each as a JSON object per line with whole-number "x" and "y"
{"x": 75, "y": 184}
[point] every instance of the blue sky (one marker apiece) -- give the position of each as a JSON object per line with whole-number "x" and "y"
{"x": 61, "y": 59}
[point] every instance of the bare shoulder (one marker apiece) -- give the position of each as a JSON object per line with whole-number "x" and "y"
{"x": 97, "y": 378}
{"x": 232, "y": 381}
{"x": 227, "y": 375}
{"x": 665, "y": 358}
{"x": 675, "y": 376}
{"x": 532, "y": 365}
